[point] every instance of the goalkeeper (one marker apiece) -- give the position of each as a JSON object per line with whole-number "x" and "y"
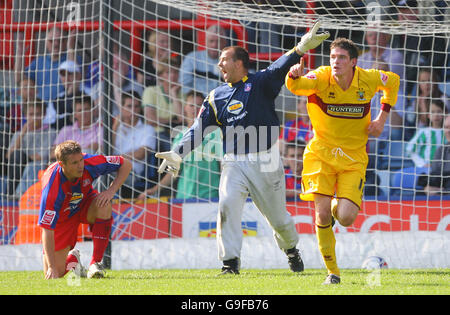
{"x": 244, "y": 110}
{"x": 335, "y": 160}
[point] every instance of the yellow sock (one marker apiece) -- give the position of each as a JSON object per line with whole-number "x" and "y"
{"x": 327, "y": 243}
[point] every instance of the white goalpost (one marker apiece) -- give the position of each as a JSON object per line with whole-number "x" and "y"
{"x": 128, "y": 77}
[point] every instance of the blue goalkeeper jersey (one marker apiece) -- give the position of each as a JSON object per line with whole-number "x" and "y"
{"x": 244, "y": 111}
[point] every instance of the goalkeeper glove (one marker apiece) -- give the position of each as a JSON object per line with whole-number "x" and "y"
{"x": 172, "y": 162}
{"x": 311, "y": 40}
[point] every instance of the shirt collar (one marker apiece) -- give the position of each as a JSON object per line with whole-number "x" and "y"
{"x": 354, "y": 80}
{"x": 245, "y": 78}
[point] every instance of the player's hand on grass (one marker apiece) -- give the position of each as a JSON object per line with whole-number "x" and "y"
{"x": 51, "y": 273}
{"x": 311, "y": 39}
{"x": 171, "y": 163}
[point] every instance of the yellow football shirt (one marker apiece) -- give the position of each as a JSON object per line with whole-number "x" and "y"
{"x": 340, "y": 118}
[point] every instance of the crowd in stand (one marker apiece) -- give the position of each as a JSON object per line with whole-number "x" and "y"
{"x": 57, "y": 97}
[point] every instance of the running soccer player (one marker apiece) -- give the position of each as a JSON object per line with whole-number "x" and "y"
{"x": 68, "y": 199}
{"x": 335, "y": 160}
{"x": 244, "y": 110}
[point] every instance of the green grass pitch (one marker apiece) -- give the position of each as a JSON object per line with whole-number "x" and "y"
{"x": 249, "y": 282}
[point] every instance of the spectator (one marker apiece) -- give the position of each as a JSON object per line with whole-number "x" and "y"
{"x": 439, "y": 179}
{"x": 299, "y": 128}
{"x": 44, "y": 68}
{"x": 162, "y": 102}
{"x": 29, "y": 149}
{"x": 62, "y": 108}
{"x": 26, "y": 94}
{"x": 157, "y": 51}
{"x": 294, "y": 160}
{"x": 379, "y": 50}
{"x": 132, "y": 139}
{"x": 199, "y": 69}
{"x": 90, "y": 82}
{"x": 12, "y": 118}
{"x": 200, "y": 173}
{"x": 422, "y": 147}
{"x": 93, "y": 71}
{"x": 417, "y": 109}
{"x": 86, "y": 129}
{"x": 124, "y": 79}
{"x": 418, "y": 50}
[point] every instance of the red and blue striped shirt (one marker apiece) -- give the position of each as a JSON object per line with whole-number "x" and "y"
{"x": 61, "y": 199}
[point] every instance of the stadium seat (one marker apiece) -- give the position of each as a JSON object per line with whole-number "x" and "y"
{"x": 404, "y": 181}
{"x": 393, "y": 158}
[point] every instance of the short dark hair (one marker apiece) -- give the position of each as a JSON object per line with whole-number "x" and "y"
{"x": 346, "y": 44}
{"x": 240, "y": 53}
{"x": 194, "y": 93}
{"x": 130, "y": 94}
{"x": 438, "y": 102}
{"x": 82, "y": 98}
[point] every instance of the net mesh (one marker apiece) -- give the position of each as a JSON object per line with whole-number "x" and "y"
{"x": 145, "y": 67}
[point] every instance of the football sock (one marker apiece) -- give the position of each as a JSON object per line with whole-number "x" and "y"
{"x": 327, "y": 243}
{"x": 101, "y": 231}
{"x": 71, "y": 262}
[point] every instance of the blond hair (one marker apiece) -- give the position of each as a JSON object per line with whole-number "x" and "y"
{"x": 66, "y": 148}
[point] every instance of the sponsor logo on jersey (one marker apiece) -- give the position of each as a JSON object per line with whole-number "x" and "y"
{"x": 48, "y": 217}
{"x": 247, "y": 87}
{"x": 75, "y": 200}
{"x": 235, "y": 107}
{"x": 113, "y": 160}
{"x": 234, "y": 118}
{"x": 345, "y": 110}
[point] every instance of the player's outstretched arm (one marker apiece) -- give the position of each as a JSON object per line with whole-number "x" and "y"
{"x": 171, "y": 164}
{"x": 311, "y": 39}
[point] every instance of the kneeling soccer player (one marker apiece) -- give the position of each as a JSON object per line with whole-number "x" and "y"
{"x": 68, "y": 199}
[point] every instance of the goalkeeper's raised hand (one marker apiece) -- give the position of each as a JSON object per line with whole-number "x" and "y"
{"x": 311, "y": 39}
{"x": 171, "y": 164}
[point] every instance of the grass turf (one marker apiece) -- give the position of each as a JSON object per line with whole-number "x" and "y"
{"x": 249, "y": 282}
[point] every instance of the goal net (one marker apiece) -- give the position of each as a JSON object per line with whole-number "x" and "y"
{"x": 129, "y": 77}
